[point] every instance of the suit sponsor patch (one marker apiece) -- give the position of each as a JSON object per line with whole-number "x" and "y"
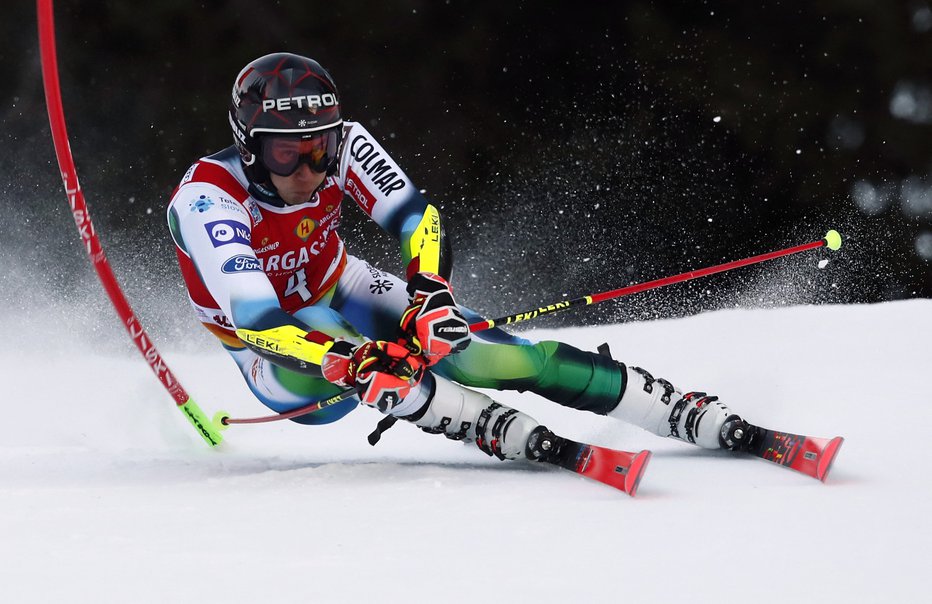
{"x": 241, "y": 263}
{"x": 201, "y": 204}
{"x": 374, "y": 162}
{"x": 359, "y": 192}
{"x": 223, "y": 232}
{"x": 305, "y": 228}
{"x": 189, "y": 175}
{"x": 253, "y": 208}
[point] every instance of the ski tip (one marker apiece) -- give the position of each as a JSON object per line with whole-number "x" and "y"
{"x": 636, "y": 472}
{"x": 833, "y": 240}
{"x": 828, "y": 457}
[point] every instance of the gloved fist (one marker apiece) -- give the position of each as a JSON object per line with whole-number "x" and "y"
{"x": 432, "y": 324}
{"x": 383, "y": 372}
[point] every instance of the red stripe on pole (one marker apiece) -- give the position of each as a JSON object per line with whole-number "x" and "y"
{"x": 82, "y": 217}
{"x": 480, "y": 326}
{"x": 640, "y": 287}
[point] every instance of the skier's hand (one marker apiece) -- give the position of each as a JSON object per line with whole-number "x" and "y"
{"x": 432, "y": 324}
{"x": 383, "y": 372}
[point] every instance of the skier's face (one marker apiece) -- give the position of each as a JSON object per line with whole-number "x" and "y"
{"x": 298, "y": 187}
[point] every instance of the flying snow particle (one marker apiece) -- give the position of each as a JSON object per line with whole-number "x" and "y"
{"x": 717, "y": 119}
{"x": 823, "y": 263}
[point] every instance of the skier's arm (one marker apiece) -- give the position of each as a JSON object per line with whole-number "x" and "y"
{"x": 378, "y": 185}
{"x": 432, "y": 324}
{"x": 215, "y": 232}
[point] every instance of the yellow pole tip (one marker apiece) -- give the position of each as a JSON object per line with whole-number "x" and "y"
{"x": 218, "y": 420}
{"x": 833, "y": 240}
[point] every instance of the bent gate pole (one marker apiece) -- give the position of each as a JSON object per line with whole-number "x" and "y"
{"x": 82, "y": 219}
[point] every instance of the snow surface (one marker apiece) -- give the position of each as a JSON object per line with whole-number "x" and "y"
{"x": 108, "y": 495}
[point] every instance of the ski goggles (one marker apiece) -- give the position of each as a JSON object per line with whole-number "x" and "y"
{"x": 283, "y": 155}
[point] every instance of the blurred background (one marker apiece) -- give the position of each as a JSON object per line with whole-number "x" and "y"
{"x": 572, "y": 147}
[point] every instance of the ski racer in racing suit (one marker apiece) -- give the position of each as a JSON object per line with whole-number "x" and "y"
{"x": 256, "y": 232}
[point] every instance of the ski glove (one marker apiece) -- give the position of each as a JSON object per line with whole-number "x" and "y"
{"x": 432, "y": 324}
{"x": 382, "y": 372}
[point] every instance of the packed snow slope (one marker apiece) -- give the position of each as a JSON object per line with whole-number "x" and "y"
{"x": 108, "y": 495}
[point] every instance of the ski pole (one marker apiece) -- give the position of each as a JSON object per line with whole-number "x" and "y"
{"x": 92, "y": 245}
{"x": 222, "y": 419}
{"x": 832, "y": 241}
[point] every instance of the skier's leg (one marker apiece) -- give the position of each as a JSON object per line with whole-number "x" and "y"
{"x": 554, "y": 370}
{"x": 439, "y": 406}
{"x": 658, "y": 406}
{"x": 594, "y": 382}
{"x": 373, "y": 301}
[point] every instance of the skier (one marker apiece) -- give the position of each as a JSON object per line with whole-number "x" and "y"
{"x": 255, "y": 227}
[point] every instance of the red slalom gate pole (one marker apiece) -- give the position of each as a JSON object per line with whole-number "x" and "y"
{"x": 832, "y": 241}
{"x": 82, "y": 219}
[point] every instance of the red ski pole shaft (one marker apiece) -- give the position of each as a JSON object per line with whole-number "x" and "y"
{"x": 92, "y": 245}
{"x": 225, "y": 420}
{"x": 832, "y": 240}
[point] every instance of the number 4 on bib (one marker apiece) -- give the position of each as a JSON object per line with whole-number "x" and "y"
{"x": 297, "y": 284}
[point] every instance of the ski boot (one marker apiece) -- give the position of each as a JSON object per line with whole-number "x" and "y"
{"x": 695, "y": 417}
{"x": 463, "y": 414}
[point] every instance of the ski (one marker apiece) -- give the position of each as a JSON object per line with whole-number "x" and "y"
{"x": 807, "y": 454}
{"x": 619, "y": 469}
